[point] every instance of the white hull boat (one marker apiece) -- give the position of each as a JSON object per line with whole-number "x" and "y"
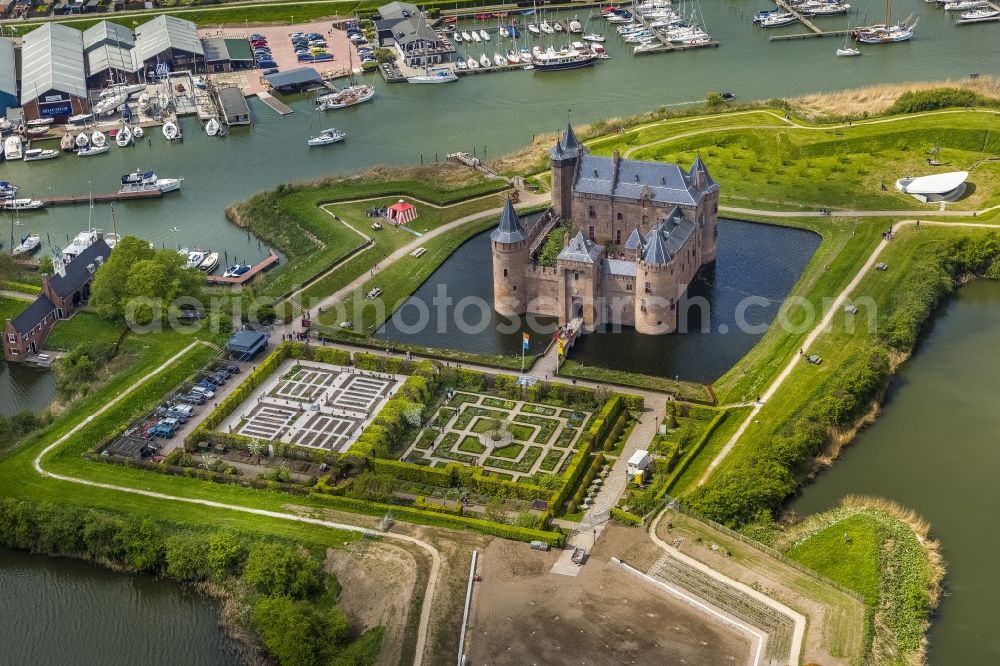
{"x": 93, "y": 150}
{"x": 593, "y": 37}
{"x": 98, "y": 139}
{"x": 23, "y": 204}
{"x": 210, "y": 263}
{"x": 138, "y": 132}
{"x": 170, "y": 131}
{"x": 484, "y": 61}
{"x": 38, "y": 154}
{"x": 12, "y": 148}
{"x": 472, "y": 63}
{"x": 124, "y": 136}
{"x": 848, "y": 52}
{"x": 28, "y": 245}
{"x": 964, "y": 5}
{"x": 467, "y": 37}
{"x": 39, "y": 122}
{"x": 212, "y": 127}
{"x": 499, "y": 60}
{"x": 326, "y": 137}
{"x": 443, "y": 76}
{"x": 485, "y": 35}
{"x": 350, "y": 96}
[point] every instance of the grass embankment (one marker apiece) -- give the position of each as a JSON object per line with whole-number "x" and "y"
{"x": 687, "y": 391}
{"x": 881, "y": 98}
{"x": 84, "y": 326}
{"x": 881, "y": 551}
{"x": 290, "y": 219}
{"x": 11, "y": 307}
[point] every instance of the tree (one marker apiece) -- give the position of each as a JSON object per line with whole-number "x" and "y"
{"x": 186, "y": 557}
{"x": 45, "y": 265}
{"x": 383, "y": 55}
{"x": 280, "y": 571}
{"x": 297, "y": 633}
{"x": 713, "y": 100}
{"x": 372, "y": 487}
{"x": 225, "y": 553}
{"x": 141, "y": 541}
{"x": 256, "y": 448}
{"x": 496, "y": 511}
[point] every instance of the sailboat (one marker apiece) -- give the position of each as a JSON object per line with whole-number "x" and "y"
{"x": 124, "y": 136}
{"x": 170, "y": 131}
{"x": 355, "y": 93}
{"x": 847, "y": 50}
{"x": 98, "y": 139}
{"x": 888, "y": 32}
{"x": 212, "y": 127}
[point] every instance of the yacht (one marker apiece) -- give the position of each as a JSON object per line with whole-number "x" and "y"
{"x": 194, "y": 257}
{"x": 148, "y": 181}
{"x": 37, "y": 154}
{"x": 354, "y": 94}
{"x": 124, "y": 136}
{"x": 441, "y": 75}
{"x": 12, "y": 148}
{"x": 546, "y": 28}
{"x": 22, "y": 204}
{"x": 209, "y": 263}
{"x": 512, "y": 57}
{"x": 472, "y": 63}
{"x": 485, "y": 35}
{"x": 93, "y": 150}
{"x": 7, "y": 189}
{"x": 551, "y": 61}
{"x": 326, "y": 137}
{"x": 81, "y": 119}
{"x": 212, "y": 127}
{"x": 484, "y": 61}
{"x": 888, "y": 32}
{"x": 499, "y": 60}
{"x": 237, "y": 270}
{"x": 171, "y": 131}
{"x": 28, "y": 245}
{"x": 504, "y": 32}
{"x": 98, "y": 139}
{"x": 778, "y": 19}
{"x": 466, "y": 36}
{"x": 534, "y": 29}
{"x": 964, "y": 5}
{"x": 475, "y": 36}
{"x": 593, "y": 37}
{"x": 981, "y": 15}
{"x": 575, "y": 26}
{"x": 39, "y": 122}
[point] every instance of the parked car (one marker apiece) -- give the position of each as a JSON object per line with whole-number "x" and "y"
{"x": 233, "y": 369}
{"x": 579, "y": 556}
{"x": 210, "y": 381}
{"x": 269, "y": 64}
{"x": 160, "y": 431}
{"x": 220, "y": 376}
{"x": 271, "y": 70}
{"x": 208, "y": 393}
{"x": 193, "y": 398}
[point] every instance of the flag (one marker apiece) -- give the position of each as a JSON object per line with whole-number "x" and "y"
{"x": 524, "y": 340}
{"x": 559, "y": 346}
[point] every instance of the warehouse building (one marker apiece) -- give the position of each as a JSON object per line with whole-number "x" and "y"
{"x": 110, "y": 54}
{"x": 169, "y": 42}
{"x": 53, "y": 73}
{"x": 227, "y": 55}
{"x": 8, "y": 77}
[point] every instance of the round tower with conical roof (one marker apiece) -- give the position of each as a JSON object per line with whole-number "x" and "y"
{"x": 564, "y": 156}
{"x": 708, "y": 208}
{"x": 510, "y": 255}
{"x": 655, "y": 288}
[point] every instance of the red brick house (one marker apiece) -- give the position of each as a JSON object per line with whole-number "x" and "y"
{"x": 62, "y": 295}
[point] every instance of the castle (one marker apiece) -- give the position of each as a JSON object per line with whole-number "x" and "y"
{"x": 641, "y": 231}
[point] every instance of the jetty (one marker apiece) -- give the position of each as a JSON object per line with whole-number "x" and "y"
{"x": 259, "y": 267}
{"x": 814, "y": 30}
{"x": 102, "y": 197}
{"x": 275, "y": 103}
{"x": 666, "y": 46}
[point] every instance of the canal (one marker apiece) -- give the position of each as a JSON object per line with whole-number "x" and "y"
{"x": 934, "y": 449}
{"x": 756, "y": 265}
{"x": 62, "y": 611}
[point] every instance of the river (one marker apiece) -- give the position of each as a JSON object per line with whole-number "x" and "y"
{"x": 62, "y": 611}
{"x": 934, "y": 449}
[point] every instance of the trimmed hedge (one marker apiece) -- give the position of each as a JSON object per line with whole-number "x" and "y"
{"x": 626, "y": 518}
{"x": 422, "y": 504}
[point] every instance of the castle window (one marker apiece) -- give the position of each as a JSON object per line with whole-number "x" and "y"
{"x": 591, "y": 230}
{"x": 505, "y": 272}
{"x": 715, "y": 207}
{"x": 618, "y": 236}
{"x": 628, "y": 287}
{"x": 619, "y": 216}
{"x": 645, "y": 219}
{"x": 649, "y": 290}
{"x": 591, "y": 212}
{"x": 11, "y": 337}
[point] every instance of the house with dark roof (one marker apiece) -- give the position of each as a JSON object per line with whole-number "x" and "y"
{"x": 403, "y": 27}
{"x": 641, "y": 232}
{"x": 63, "y": 294}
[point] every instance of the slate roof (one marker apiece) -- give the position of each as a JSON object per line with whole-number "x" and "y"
{"x": 666, "y": 238}
{"x": 414, "y": 30}
{"x": 398, "y": 10}
{"x": 510, "y": 229}
{"x": 699, "y": 167}
{"x": 567, "y": 146}
{"x": 32, "y": 315}
{"x": 618, "y": 267}
{"x": 632, "y": 179}
{"x": 581, "y": 249}
{"x": 655, "y": 252}
{"x": 293, "y": 77}
{"x": 635, "y": 240}
{"x": 76, "y": 272}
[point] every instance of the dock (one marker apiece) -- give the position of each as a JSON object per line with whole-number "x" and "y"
{"x": 492, "y": 68}
{"x": 990, "y": 19}
{"x": 814, "y": 30}
{"x": 275, "y": 103}
{"x": 103, "y": 197}
{"x": 666, "y": 46}
{"x": 259, "y": 267}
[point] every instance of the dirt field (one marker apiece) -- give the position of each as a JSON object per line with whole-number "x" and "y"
{"x": 602, "y": 616}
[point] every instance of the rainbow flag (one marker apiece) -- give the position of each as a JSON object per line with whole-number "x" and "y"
{"x": 524, "y": 340}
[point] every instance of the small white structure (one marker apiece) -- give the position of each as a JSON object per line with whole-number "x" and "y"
{"x": 939, "y": 187}
{"x": 639, "y": 462}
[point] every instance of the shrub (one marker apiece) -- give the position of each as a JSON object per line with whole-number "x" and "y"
{"x": 915, "y": 101}
{"x": 186, "y": 556}
{"x": 277, "y": 570}
{"x": 626, "y": 518}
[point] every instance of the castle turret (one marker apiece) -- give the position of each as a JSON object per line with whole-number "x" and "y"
{"x": 564, "y": 156}
{"x": 656, "y": 288}
{"x": 510, "y": 255}
{"x": 708, "y": 208}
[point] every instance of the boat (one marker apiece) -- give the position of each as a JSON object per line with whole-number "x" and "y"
{"x": 485, "y": 35}
{"x": 504, "y": 32}
{"x": 12, "y": 148}
{"x": 66, "y": 144}
{"x": 326, "y": 137}
{"x": 512, "y": 57}
{"x": 525, "y": 55}
{"x": 466, "y": 36}
{"x": 475, "y": 36}
{"x": 599, "y": 51}
{"x": 534, "y": 29}
{"x": 38, "y": 154}
{"x": 592, "y": 37}
{"x": 170, "y": 131}
{"x": 144, "y": 102}
{"x": 440, "y": 75}
{"x": 820, "y": 8}
{"x": 80, "y": 119}
{"x": 980, "y": 15}
{"x": 461, "y": 66}
{"x": 7, "y": 189}
{"x": 212, "y": 127}
{"x": 199, "y": 82}
{"x": 138, "y": 132}
{"x": 575, "y": 26}
{"x": 29, "y": 244}
{"x": 209, "y": 263}
{"x": 93, "y": 150}
{"x": 39, "y": 122}
{"x": 98, "y": 139}
{"x": 237, "y": 270}
{"x": 778, "y": 19}
{"x": 357, "y": 93}
{"x": 472, "y": 63}
{"x": 109, "y": 101}
{"x": 964, "y": 5}
{"x": 888, "y": 32}
{"x": 484, "y": 61}
{"x": 194, "y": 257}
{"x": 499, "y": 60}
{"x": 147, "y": 181}
{"x": 456, "y": 37}
{"x": 546, "y": 28}
{"x": 22, "y": 204}
{"x": 848, "y": 51}
{"x": 124, "y": 136}
{"x": 552, "y": 61}
{"x": 36, "y": 132}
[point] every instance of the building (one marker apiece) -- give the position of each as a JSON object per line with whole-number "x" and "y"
{"x": 170, "y": 42}
{"x": 62, "y": 295}
{"x": 244, "y": 345}
{"x": 53, "y": 73}
{"x": 235, "y": 110}
{"x": 110, "y": 54}
{"x": 640, "y": 233}
{"x": 227, "y": 55}
{"x": 8, "y": 77}
{"x": 403, "y": 27}
{"x": 402, "y": 212}
{"x": 294, "y": 80}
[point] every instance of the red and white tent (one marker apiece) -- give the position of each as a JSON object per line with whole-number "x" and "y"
{"x": 402, "y": 212}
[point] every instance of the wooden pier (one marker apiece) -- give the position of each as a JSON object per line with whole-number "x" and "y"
{"x": 259, "y": 267}
{"x": 102, "y": 197}
{"x": 814, "y": 30}
{"x": 492, "y": 68}
{"x": 666, "y": 46}
{"x": 275, "y": 103}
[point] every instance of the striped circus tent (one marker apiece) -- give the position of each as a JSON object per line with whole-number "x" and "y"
{"x": 402, "y": 212}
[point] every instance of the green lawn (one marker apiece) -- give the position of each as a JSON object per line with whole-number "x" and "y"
{"x": 471, "y": 444}
{"x": 510, "y": 451}
{"x": 84, "y": 326}
{"x": 852, "y": 562}
{"x": 521, "y": 433}
{"x": 11, "y": 307}
{"x": 699, "y": 463}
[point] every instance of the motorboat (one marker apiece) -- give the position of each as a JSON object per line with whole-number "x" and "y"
{"x": 456, "y": 37}
{"x": 147, "y": 181}
{"x": 237, "y": 270}
{"x": 124, "y": 136}
{"x": 29, "y": 244}
{"x": 525, "y": 55}
{"x": 326, "y": 137}
{"x": 209, "y": 263}
{"x": 40, "y": 122}
{"x": 212, "y": 127}
{"x": 35, "y": 132}
{"x": 12, "y": 148}
{"x": 112, "y": 239}
{"x": 981, "y": 15}
{"x": 93, "y": 150}
{"x": 82, "y": 140}
{"x": 461, "y": 66}
{"x": 441, "y": 75}
{"x": 552, "y": 61}
{"x": 170, "y": 131}
{"x": 98, "y": 139}
{"x": 22, "y": 204}
{"x": 964, "y": 5}
{"x": 485, "y": 35}
{"x": 557, "y": 26}
{"x": 195, "y": 257}
{"x": 138, "y": 132}
{"x": 7, "y": 189}
{"x": 499, "y": 60}
{"x": 484, "y": 61}
{"x": 778, "y": 19}
{"x": 38, "y": 154}
{"x": 575, "y": 26}
{"x": 345, "y": 97}
{"x": 599, "y": 51}
{"x": 592, "y": 37}
{"x": 81, "y": 119}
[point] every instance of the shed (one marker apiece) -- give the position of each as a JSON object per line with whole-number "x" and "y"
{"x": 170, "y": 41}
{"x": 240, "y": 55}
{"x": 8, "y": 76}
{"x": 638, "y": 462}
{"x": 402, "y": 212}
{"x": 293, "y": 79}
{"x": 244, "y": 345}
{"x": 53, "y": 74}
{"x": 235, "y": 110}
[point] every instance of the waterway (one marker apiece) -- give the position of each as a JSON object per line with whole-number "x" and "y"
{"x": 756, "y": 264}
{"x": 61, "y": 611}
{"x": 933, "y": 449}
{"x": 24, "y": 387}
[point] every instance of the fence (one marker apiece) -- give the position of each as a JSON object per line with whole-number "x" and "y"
{"x": 675, "y": 505}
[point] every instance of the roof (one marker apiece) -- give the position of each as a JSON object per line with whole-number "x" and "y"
{"x": 414, "y": 30}
{"x": 239, "y": 49}
{"x": 233, "y": 103}
{"x": 699, "y": 168}
{"x": 567, "y": 146}
{"x": 167, "y": 32}
{"x": 632, "y": 179}
{"x": 52, "y": 60}
{"x": 8, "y": 70}
{"x": 109, "y": 33}
{"x": 106, "y": 57}
{"x": 32, "y": 315}
{"x": 77, "y": 272}
{"x": 635, "y": 240}
{"x": 398, "y": 10}
{"x": 581, "y": 249}
{"x": 246, "y": 340}
{"x": 618, "y": 267}
{"x": 216, "y": 49}
{"x": 638, "y": 457}
{"x": 939, "y": 183}
{"x": 293, "y": 77}
{"x": 401, "y": 206}
{"x": 510, "y": 229}
{"x": 655, "y": 253}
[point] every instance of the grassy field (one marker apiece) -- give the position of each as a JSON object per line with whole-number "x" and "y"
{"x": 84, "y": 326}
{"x": 683, "y": 390}
{"x": 716, "y": 440}
{"x": 11, "y": 307}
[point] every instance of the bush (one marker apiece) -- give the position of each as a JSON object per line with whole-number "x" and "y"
{"x": 422, "y": 504}
{"x": 915, "y": 101}
{"x": 298, "y": 633}
{"x": 626, "y": 518}
{"x": 186, "y": 556}
{"x": 278, "y": 570}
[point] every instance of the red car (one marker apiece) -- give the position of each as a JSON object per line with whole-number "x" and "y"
{"x": 258, "y": 42}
